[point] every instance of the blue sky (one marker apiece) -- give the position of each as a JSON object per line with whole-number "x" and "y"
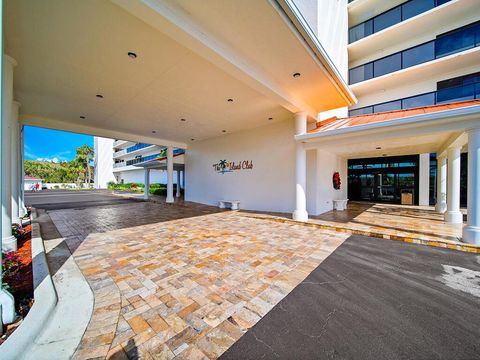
{"x": 52, "y": 145}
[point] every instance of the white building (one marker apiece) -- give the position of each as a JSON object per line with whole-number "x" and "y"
{"x": 251, "y": 90}
{"x": 118, "y": 161}
{"x": 30, "y": 182}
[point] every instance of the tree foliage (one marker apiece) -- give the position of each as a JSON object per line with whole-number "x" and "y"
{"x": 74, "y": 171}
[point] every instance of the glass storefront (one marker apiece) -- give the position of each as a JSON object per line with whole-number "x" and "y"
{"x": 387, "y": 179}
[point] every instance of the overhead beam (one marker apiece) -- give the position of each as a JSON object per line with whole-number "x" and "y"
{"x": 56, "y": 124}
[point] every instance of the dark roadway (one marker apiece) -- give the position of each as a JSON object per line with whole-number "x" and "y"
{"x": 70, "y": 199}
{"x": 375, "y": 299}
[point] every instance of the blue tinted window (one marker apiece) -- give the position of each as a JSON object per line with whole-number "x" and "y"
{"x": 418, "y": 54}
{"x": 361, "y": 73}
{"x": 415, "y": 7}
{"x": 360, "y": 31}
{"x": 387, "y": 65}
{"x": 455, "y": 41}
{"x": 387, "y": 19}
{"x": 388, "y": 106}
{"x": 362, "y": 111}
{"x": 457, "y": 93}
{"x": 418, "y": 101}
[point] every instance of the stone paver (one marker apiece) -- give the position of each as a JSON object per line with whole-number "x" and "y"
{"x": 183, "y": 281}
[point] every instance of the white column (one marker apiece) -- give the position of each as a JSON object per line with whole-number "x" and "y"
{"x": 15, "y": 163}
{"x": 471, "y": 232}
{"x": 300, "y": 212}
{"x": 7, "y": 302}
{"x": 441, "y": 205}
{"x": 453, "y": 214}
{"x": 170, "y": 198}
{"x": 178, "y": 184}
{"x": 21, "y": 193}
{"x": 146, "y": 184}
{"x": 424, "y": 180}
{"x": 9, "y": 242}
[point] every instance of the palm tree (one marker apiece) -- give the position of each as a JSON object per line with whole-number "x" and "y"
{"x": 84, "y": 156}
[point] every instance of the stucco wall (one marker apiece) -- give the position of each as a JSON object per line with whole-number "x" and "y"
{"x": 269, "y": 185}
{"x": 320, "y": 191}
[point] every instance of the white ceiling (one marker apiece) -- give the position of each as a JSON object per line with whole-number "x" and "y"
{"x": 69, "y": 51}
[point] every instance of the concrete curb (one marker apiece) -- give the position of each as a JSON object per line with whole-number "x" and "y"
{"x": 45, "y": 296}
{"x": 440, "y": 243}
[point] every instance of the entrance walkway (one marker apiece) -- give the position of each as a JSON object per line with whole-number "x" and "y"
{"x": 183, "y": 280}
{"x": 413, "y": 224}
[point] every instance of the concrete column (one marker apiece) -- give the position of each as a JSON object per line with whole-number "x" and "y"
{"x": 453, "y": 214}
{"x": 9, "y": 242}
{"x": 300, "y": 212}
{"x": 21, "y": 193}
{"x": 146, "y": 182}
{"x": 441, "y": 205}
{"x": 170, "y": 198}
{"x": 424, "y": 180}
{"x": 15, "y": 163}
{"x": 471, "y": 232}
{"x": 7, "y": 302}
{"x": 178, "y": 194}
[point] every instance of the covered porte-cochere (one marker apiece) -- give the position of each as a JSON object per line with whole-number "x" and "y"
{"x": 391, "y": 150}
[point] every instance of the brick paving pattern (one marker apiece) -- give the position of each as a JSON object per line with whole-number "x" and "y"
{"x": 183, "y": 281}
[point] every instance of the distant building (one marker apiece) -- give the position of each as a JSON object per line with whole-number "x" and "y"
{"x": 30, "y": 182}
{"x": 115, "y": 161}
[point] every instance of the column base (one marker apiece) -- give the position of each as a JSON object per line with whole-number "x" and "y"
{"x": 471, "y": 234}
{"x": 453, "y": 217}
{"x": 7, "y": 304}
{"x": 146, "y": 197}
{"x": 300, "y": 215}
{"x": 441, "y": 207}
{"x": 9, "y": 244}
{"x": 170, "y": 200}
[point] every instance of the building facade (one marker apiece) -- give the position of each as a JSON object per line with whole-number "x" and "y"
{"x": 118, "y": 161}
{"x": 404, "y": 55}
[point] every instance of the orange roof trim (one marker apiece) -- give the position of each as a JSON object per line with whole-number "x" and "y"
{"x": 335, "y": 123}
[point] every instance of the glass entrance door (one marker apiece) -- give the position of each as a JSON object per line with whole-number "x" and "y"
{"x": 383, "y": 179}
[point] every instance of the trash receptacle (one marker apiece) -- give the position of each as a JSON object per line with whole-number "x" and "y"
{"x": 407, "y": 197}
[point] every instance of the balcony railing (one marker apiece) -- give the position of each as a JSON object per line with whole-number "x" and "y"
{"x": 447, "y": 95}
{"x": 119, "y": 164}
{"x": 452, "y": 42}
{"x": 137, "y": 147}
{"x": 119, "y": 153}
{"x": 391, "y": 17}
{"x": 141, "y": 159}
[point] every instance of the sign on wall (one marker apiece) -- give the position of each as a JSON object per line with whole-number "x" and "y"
{"x": 223, "y": 166}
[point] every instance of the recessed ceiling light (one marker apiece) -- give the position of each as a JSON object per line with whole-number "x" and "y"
{"x": 132, "y": 55}
{"x": 270, "y": 118}
{"x": 224, "y": 131}
{"x": 192, "y": 139}
{"x": 378, "y": 148}
{"x": 296, "y": 75}
{"x": 99, "y": 96}
{"x": 230, "y": 100}
{"x": 154, "y": 132}
{"x": 384, "y": 154}
{"x": 182, "y": 119}
{"x": 82, "y": 117}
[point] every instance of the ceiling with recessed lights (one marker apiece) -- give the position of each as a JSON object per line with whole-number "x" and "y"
{"x": 93, "y": 66}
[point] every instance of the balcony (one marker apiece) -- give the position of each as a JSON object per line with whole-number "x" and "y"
{"x": 119, "y": 153}
{"x": 442, "y": 96}
{"x": 392, "y": 17}
{"x": 119, "y": 143}
{"x": 449, "y": 16}
{"x": 119, "y": 164}
{"x": 453, "y": 42}
{"x": 138, "y": 147}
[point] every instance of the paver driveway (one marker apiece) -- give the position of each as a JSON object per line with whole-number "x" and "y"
{"x": 183, "y": 281}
